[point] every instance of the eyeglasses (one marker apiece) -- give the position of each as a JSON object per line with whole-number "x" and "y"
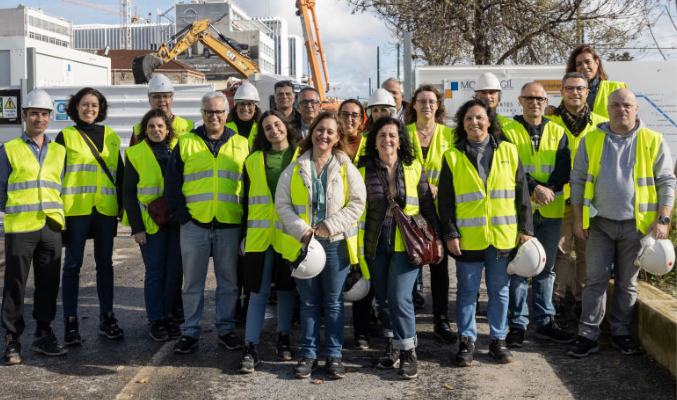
{"x": 625, "y": 106}
{"x": 346, "y": 115}
{"x": 211, "y": 113}
{"x": 247, "y": 105}
{"x": 424, "y": 103}
{"x": 161, "y": 96}
{"x": 537, "y": 99}
{"x": 309, "y": 103}
{"x": 570, "y": 89}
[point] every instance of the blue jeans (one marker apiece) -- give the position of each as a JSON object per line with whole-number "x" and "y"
{"x": 256, "y": 312}
{"x": 196, "y": 245}
{"x": 393, "y": 278}
{"x": 548, "y": 233}
{"x": 325, "y": 292}
{"x": 77, "y": 229}
{"x": 469, "y": 276}
{"x": 164, "y": 273}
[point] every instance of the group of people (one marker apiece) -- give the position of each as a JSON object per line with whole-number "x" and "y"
{"x": 253, "y": 189}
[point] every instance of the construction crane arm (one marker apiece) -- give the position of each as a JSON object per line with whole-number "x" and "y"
{"x": 144, "y": 66}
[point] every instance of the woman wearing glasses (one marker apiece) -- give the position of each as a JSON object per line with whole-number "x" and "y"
{"x": 585, "y": 60}
{"x": 242, "y": 118}
{"x": 430, "y": 139}
{"x": 351, "y": 116}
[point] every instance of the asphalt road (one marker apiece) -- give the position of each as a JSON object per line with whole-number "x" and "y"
{"x": 140, "y": 368}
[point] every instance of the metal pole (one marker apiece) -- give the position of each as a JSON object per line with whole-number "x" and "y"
{"x": 369, "y": 86}
{"x": 378, "y": 66}
{"x": 407, "y": 65}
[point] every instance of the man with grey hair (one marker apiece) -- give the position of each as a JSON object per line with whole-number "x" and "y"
{"x": 394, "y": 87}
{"x": 543, "y": 148}
{"x": 204, "y": 191}
{"x": 577, "y": 120}
{"x": 309, "y": 107}
{"x": 624, "y": 171}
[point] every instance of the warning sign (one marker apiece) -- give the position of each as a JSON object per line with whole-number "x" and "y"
{"x": 9, "y": 107}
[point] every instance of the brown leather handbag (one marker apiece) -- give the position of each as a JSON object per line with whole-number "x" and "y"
{"x": 417, "y": 233}
{"x": 158, "y": 210}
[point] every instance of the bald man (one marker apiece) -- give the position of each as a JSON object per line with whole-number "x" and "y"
{"x": 622, "y": 188}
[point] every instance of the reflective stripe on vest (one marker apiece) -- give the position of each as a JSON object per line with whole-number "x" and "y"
{"x": 250, "y": 137}
{"x": 213, "y": 186}
{"x": 442, "y": 140}
{"x": 575, "y": 141}
{"x": 301, "y": 201}
{"x": 646, "y": 198}
{"x": 261, "y": 211}
{"x": 85, "y": 184}
{"x": 486, "y": 219}
{"x": 151, "y": 182}
{"x": 179, "y": 125}
{"x": 33, "y": 191}
{"x": 602, "y": 98}
{"x": 539, "y": 163}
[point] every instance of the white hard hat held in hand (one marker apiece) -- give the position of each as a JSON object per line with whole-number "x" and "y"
{"x": 656, "y": 257}
{"x": 530, "y": 259}
{"x": 356, "y": 287}
{"x": 311, "y": 261}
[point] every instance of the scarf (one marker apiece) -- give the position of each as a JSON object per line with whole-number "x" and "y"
{"x": 575, "y": 122}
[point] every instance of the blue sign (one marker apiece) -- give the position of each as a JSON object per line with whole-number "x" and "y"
{"x": 60, "y": 110}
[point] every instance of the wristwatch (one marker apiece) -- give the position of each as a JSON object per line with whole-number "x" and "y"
{"x": 664, "y": 219}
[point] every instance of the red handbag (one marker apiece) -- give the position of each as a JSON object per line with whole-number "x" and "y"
{"x": 158, "y": 210}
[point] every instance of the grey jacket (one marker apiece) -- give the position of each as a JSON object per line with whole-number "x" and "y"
{"x": 614, "y": 188}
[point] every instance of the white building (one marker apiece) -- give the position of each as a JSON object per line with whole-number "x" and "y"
{"x": 144, "y": 36}
{"x": 35, "y": 24}
{"x": 280, "y": 35}
{"x": 296, "y": 59}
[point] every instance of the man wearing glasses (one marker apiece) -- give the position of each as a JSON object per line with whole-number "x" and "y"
{"x": 577, "y": 120}
{"x": 624, "y": 170}
{"x": 543, "y": 149}
{"x": 204, "y": 191}
{"x": 161, "y": 97}
{"x": 309, "y": 107}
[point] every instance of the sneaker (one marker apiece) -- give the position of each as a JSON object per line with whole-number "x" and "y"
{"x": 466, "y": 352}
{"x": 499, "y": 350}
{"x": 443, "y": 330}
{"x": 515, "y": 337}
{"x": 408, "y": 364}
{"x": 560, "y": 312}
{"x": 231, "y": 341}
{"x": 304, "y": 368}
{"x": 71, "y": 335}
{"x": 582, "y": 347}
{"x": 625, "y": 344}
{"x": 390, "y": 358}
{"x": 178, "y": 316}
{"x": 552, "y": 331}
{"x": 47, "y": 344}
{"x": 185, "y": 345}
{"x": 12, "y": 351}
{"x": 250, "y": 359}
{"x": 108, "y": 326}
{"x": 158, "y": 331}
{"x": 419, "y": 300}
{"x": 335, "y": 368}
{"x": 361, "y": 342}
{"x": 172, "y": 327}
{"x": 283, "y": 347}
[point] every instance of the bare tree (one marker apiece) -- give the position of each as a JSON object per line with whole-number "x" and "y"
{"x": 508, "y": 31}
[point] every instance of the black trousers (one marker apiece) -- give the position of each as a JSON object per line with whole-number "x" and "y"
{"x": 439, "y": 286}
{"x": 362, "y": 313}
{"x": 43, "y": 248}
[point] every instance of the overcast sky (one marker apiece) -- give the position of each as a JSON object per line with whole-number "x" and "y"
{"x": 349, "y": 41}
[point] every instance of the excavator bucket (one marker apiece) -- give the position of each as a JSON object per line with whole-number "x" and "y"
{"x": 144, "y": 66}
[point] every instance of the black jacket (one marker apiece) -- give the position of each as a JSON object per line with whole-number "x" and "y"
{"x": 377, "y": 204}
{"x": 447, "y": 205}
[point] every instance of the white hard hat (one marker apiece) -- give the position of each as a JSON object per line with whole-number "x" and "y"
{"x": 160, "y": 84}
{"x": 657, "y": 257}
{"x": 356, "y": 287}
{"x": 246, "y": 92}
{"x": 487, "y": 81}
{"x": 311, "y": 261}
{"x": 381, "y": 97}
{"x": 529, "y": 261}
{"x": 38, "y": 98}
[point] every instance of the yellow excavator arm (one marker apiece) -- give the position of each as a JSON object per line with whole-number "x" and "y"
{"x": 144, "y": 66}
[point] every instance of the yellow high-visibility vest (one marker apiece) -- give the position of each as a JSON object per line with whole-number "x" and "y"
{"x": 33, "y": 191}
{"x": 85, "y": 184}
{"x": 213, "y": 186}
{"x": 646, "y": 197}
{"x": 574, "y": 141}
{"x": 488, "y": 216}
{"x": 602, "y": 98}
{"x": 443, "y": 140}
{"x": 151, "y": 184}
{"x": 539, "y": 164}
{"x": 250, "y": 136}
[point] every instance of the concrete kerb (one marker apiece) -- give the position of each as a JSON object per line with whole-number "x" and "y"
{"x": 655, "y": 326}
